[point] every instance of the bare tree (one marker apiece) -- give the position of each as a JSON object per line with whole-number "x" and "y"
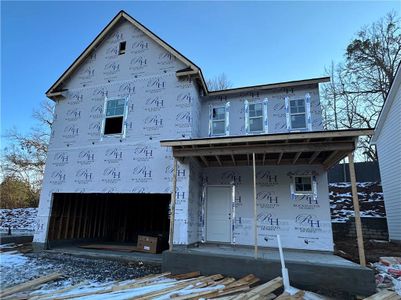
{"x": 360, "y": 84}
{"x": 24, "y": 159}
{"x": 218, "y": 83}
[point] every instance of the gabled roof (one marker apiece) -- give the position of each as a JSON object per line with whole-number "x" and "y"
{"x": 191, "y": 70}
{"x": 395, "y": 85}
{"x": 55, "y": 88}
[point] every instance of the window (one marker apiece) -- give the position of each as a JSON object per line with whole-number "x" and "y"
{"x": 303, "y": 184}
{"x": 255, "y": 117}
{"x": 297, "y": 113}
{"x": 219, "y": 120}
{"x": 113, "y": 123}
{"x": 121, "y": 48}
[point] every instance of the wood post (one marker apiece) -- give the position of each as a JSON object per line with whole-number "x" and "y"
{"x": 355, "y": 200}
{"x": 172, "y": 208}
{"x": 254, "y": 206}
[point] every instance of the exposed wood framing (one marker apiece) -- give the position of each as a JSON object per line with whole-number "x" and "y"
{"x": 218, "y": 160}
{"x": 254, "y": 206}
{"x": 204, "y": 161}
{"x": 296, "y": 157}
{"x": 313, "y": 157}
{"x": 173, "y": 198}
{"x": 232, "y": 157}
{"x": 355, "y": 201}
{"x": 280, "y": 157}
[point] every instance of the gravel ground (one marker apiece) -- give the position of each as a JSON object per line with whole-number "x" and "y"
{"x": 17, "y": 268}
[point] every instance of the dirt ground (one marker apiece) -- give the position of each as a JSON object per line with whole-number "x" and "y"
{"x": 348, "y": 248}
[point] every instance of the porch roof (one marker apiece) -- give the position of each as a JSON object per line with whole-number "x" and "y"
{"x": 296, "y": 148}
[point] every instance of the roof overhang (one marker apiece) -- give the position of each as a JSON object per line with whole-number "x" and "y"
{"x": 325, "y": 148}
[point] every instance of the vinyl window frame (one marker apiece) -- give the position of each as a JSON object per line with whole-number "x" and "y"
{"x": 123, "y": 115}
{"x": 298, "y": 114}
{"x": 258, "y": 117}
{"x": 218, "y": 120}
{"x": 308, "y": 192}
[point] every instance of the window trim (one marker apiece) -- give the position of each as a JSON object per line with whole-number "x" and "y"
{"x": 303, "y": 192}
{"x": 123, "y": 115}
{"x": 262, "y": 117}
{"x": 219, "y": 120}
{"x": 298, "y": 113}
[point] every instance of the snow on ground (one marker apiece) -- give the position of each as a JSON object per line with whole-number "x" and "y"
{"x": 21, "y": 219}
{"x": 18, "y": 268}
{"x": 370, "y": 196}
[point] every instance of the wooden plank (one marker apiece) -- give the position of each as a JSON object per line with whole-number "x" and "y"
{"x": 29, "y": 284}
{"x": 121, "y": 248}
{"x": 72, "y": 235}
{"x": 384, "y": 295}
{"x": 218, "y": 160}
{"x": 255, "y": 231}
{"x": 296, "y": 157}
{"x": 204, "y": 161}
{"x": 264, "y": 289}
{"x": 355, "y": 201}
{"x": 80, "y": 203}
{"x": 313, "y": 157}
{"x": 280, "y": 157}
{"x": 351, "y": 134}
{"x": 275, "y": 148}
{"x": 173, "y": 198}
{"x": 232, "y": 157}
{"x": 186, "y": 275}
{"x": 67, "y": 223}
{"x": 61, "y": 219}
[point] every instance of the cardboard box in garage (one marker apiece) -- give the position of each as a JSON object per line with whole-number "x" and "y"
{"x": 148, "y": 244}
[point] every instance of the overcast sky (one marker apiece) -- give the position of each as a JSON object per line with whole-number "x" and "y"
{"x": 251, "y": 42}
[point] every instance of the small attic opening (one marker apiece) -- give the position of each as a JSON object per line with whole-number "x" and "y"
{"x": 121, "y": 48}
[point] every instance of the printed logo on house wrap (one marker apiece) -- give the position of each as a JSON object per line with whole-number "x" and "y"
{"x": 270, "y": 222}
{"x": 267, "y": 200}
{"x": 138, "y": 63}
{"x": 71, "y": 131}
{"x": 184, "y": 100}
{"x": 138, "y": 190}
{"x": 126, "y": 89}
{"x": 94, "y": 129}
{"x": 141, "y": 174}
{"x": 60, "y": 159}
{"x": 305, "y": 202}
{"x": 111, "y": 68}
{"x": 266, "y": 178}
{"x": 115, "y": 37}
{"x": 74, "y": 98}
{"x": 143, "y": 153}
{"x": 113, "y": 155}
{"x": 238, "y": 199}
{"x": 153, "y": 122}
{"x": 99, "y": 94}
{"x": 73, "y": 114}
{"x": 183, "y": 120}
{"x": 83, "y": 176}
{"x": 111, "y": 52}
{"x": 111, "y": 175}
{"x": 86, "y": 157}
{"x": 86, "y": 73}
{"x": 307, "y": 223}
{"x": 165, "y": 59}
{"x": 230, "y": 177}
{"x": 139, "y": 46}
{"x": 154, "y": 104}
{"x": 168, "y": 172}
{"x": 57, "y": 177}
{"x": 155, "y": 85}
{"x": 96, "y": 111}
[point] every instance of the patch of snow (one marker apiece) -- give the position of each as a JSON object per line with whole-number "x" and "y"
{"x": 23, "y": 219}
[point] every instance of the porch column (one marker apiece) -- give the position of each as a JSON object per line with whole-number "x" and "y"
{"x": 172, "y": 212}
{"x": 254, "y": 206}
{"x": 355, "y": 200}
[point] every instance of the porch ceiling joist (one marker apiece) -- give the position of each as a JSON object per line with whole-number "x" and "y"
{"x": 273, "y": 148}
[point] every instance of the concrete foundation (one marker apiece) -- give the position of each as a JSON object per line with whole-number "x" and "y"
{"x": 307, "y": 269}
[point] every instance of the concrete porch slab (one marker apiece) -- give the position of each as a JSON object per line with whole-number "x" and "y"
{"x": 308, "y": 269}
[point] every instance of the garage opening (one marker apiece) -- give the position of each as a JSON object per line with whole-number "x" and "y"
{"x": 109, "y": 218}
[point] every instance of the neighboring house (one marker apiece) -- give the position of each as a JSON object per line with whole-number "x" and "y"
{"x": 387, "y": 138}
{"x": 135, "y": 126}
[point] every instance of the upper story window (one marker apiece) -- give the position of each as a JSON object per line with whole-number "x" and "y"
{"x": 114, "y": 116}
{"x": 298, "y": 114}
{"x": 255, "y": 117}
{"x": 218, "y": 120}
{"x": 121, "y": 47}
{"x": 303, "y": 184}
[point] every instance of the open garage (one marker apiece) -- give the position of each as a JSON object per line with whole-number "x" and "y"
{"x": 108, "y": 218}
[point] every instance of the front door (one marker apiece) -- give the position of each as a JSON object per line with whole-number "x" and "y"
{"x": 218, "y": 214}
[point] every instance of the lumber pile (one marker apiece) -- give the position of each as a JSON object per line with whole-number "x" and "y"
{"x": 384, "y": 295}
{"x": 23, "y": 248}
{"x": 157, "y": 286}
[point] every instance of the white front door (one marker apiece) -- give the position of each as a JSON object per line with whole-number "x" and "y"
{"x": 218, "y": 214}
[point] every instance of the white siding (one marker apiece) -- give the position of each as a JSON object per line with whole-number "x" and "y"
{"x": 389, "y": 151}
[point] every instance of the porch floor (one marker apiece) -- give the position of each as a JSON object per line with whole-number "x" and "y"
{"x": 309, "y": 270}
{"x": 290, "y": 255}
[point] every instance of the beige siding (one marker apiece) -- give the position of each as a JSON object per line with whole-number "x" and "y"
{"x": 389, "y": 151}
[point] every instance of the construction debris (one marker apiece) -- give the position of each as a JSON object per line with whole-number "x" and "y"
{"x": 384, "y": 295}
{"x": 388, "y": 274}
